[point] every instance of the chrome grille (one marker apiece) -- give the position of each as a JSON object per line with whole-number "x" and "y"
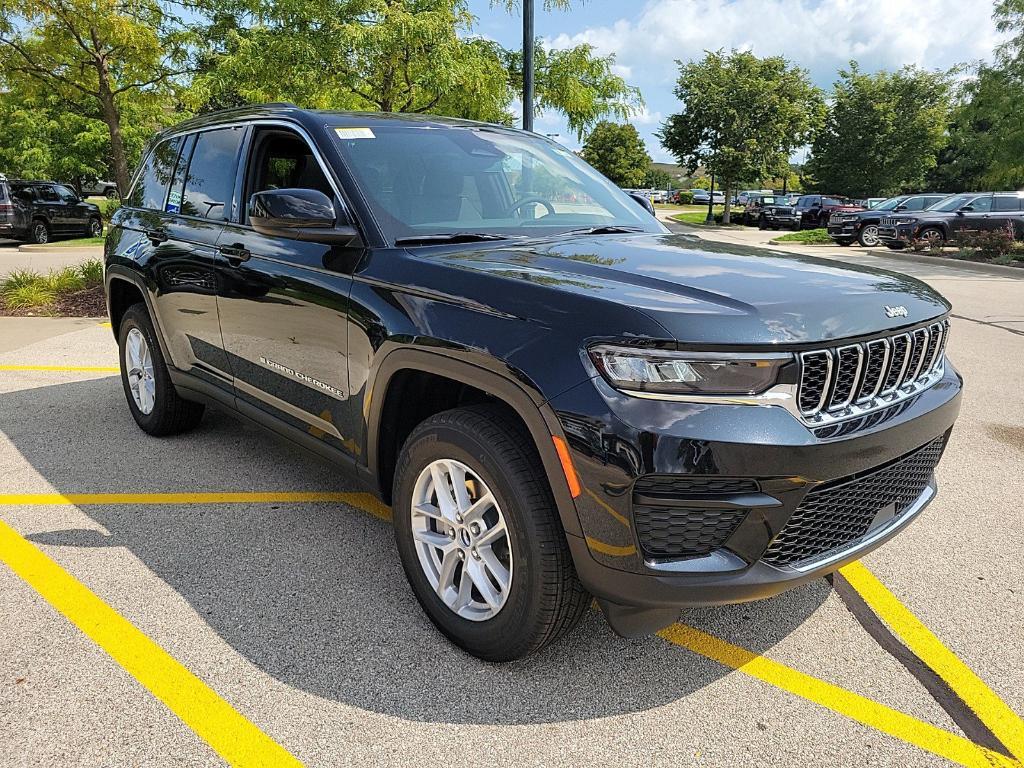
{"x": 856, "y": 378}
{"x": 889, "y": 221}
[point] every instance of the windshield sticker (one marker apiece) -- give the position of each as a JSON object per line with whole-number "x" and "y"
{"x": 354, "y": 133}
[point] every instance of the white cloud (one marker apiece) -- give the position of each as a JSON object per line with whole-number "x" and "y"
{"x": 821, "y": 35}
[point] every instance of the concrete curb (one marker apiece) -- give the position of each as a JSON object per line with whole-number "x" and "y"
{"x": 971, "y": 266}
{"x": 84, "y": 250}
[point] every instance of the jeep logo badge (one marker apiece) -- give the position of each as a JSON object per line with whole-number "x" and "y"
{"x": 896, "y": 311}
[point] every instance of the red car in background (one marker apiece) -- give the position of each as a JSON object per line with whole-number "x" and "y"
{"x": 815, "y": 210}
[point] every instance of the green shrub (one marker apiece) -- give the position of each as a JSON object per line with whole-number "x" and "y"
{"x": 28, "y": 296}
{"x": 67, "y": 280}
{"x": 91, "y": 272}
{"x": 685, "y": 198}
{"x": 19, "y": 278}
{"x": 108, "y": 208}
{"x": 990, "y": 244}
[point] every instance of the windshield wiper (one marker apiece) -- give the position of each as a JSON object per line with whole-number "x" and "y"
{"x": 609, "y": 229}
{"x": 442, "y": 238}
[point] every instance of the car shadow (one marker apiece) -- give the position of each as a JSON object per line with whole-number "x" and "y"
{"x": 314, "y": 594}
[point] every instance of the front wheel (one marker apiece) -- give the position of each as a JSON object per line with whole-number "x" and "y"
{"x": 155, "y": 404}
{"x": 95, "y": 228}
{"x": 480, "y": 538}
{"x": 933, "y": 237}
{"x": 762, "y": 223}
{"x": 868, "y": 236}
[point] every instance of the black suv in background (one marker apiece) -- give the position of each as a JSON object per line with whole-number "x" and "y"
{"x": 953, "y": 216}
{"x": 557, "y": 397}
{"x": 814, "y": 210}
{"x": 35, "y": 211}
{"x": 770, "y": 212}
{"x": 862, "y": 226}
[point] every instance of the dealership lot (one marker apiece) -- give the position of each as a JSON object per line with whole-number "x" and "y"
{"x": 280, "y": 626}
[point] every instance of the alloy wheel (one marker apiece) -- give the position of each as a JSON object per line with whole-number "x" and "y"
{"x": 461, "y": 539}
{"x": 95, "y": 228}
{"x": 138, "y": 362}
{"x": 869, "y": 236}
{"x": 40, "y": 234}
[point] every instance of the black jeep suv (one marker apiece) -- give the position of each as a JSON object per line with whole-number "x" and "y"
{"x": 770, "y": 212}
{"x": 862, "y": 226}
{"x": 557, "y": 397}
{"x": 35, "y": 211}
{"x": 955, "y": 216}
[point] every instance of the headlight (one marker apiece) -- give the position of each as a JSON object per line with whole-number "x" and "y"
{"x": 681, "y": 373}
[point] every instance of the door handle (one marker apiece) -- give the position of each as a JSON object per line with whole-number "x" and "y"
{"x": 157, "y": 236}
{"x": 235, "y": 254}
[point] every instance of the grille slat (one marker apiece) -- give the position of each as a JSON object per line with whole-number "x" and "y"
{"x": 836, "y": 515}
{"x": 856, "y": 378}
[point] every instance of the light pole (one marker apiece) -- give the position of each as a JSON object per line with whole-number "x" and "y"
{"x": 528, "y": 65}
{"x": 711, "y": 203}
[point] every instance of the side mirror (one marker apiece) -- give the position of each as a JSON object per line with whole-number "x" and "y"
{"x": 644, "y": 202}
{"x": 900, "y": 207}
{"x": 966, "y": 209}
{"x": 299, "y": 214}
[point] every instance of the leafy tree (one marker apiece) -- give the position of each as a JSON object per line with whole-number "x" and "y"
{"x": 742, "y": 116}
{"x": 655, "y": 178}
{"x": 95, "y": 56}
{"x": 617, "y": 151}
{"x": 882, "y": 133}
{"x": 390, "y": 55}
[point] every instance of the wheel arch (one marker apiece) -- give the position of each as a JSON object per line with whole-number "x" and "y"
{"x": 387, "y": 424}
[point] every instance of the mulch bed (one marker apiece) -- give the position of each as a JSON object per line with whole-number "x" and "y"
{"x": 88, "y": 303}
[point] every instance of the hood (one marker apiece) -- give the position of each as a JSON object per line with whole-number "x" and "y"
{"x": 704, "y": 292}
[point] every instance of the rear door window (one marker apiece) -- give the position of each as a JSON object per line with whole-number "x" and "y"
{"x": 211, "y": 174}
{"x": 47, "y": 194}
{"x": 1005, "y": 203}
{"x": 151, "y": 188}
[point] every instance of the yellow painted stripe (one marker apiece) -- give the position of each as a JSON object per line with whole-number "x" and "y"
{"x": 854, "y": 706}
{"x": 104, "y": 325}
{"x": 62, "y": 368}
{"x": 990, "y": 709}
{"x": 363, "y": 501}
{"x": 610, "y": 549}
{"x": 233, "y": 737}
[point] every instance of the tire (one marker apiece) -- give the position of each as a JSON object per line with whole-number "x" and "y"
{"x": 162, "y": 411}
{"x": 933, "y": 235}
{"x": 844, "y": 243}
{"x": 762, "y": 223}
{"x": 39, "y": 232}
{"x": 895, "y": 246}
{"x": 543, "y": 599}
{"x": 868, "y": 236}
{"x": 111, "y": 194}
{"x": 94, "y": 228}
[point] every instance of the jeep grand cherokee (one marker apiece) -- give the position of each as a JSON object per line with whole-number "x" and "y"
{"x": 557, "y": 397}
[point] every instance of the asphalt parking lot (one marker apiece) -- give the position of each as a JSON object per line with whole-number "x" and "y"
{"x": 220, "y": 597}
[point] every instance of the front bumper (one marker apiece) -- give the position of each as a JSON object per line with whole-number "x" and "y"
{"x": 615, "y": 439}
{"x": 782, "y": 220}
{"x": 901, "y": 233}
{"x": 844, "y": 231}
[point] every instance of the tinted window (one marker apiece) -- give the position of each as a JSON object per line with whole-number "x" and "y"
{"x": 151, "y": 188}
{"x": 283, "y": 160}
{"x": 981, "y": 204}
{"x": 47, "y": 194}
{"x": 914, "y": 204}
{"x": 178, "y": 180}
{"x": 834, "y": 201}
{"x": 65, "y": 194}
{"x": 1006, "y": 203}
{"x": 211, "y": 174}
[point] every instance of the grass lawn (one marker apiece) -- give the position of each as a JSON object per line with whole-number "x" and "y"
{"x": 78, "y": 242}
{"x": 807, "y": 237}
{"x": 697, "y": 214}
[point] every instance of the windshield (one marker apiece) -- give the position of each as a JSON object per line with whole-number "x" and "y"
{"x": 888, "y": 205}
{"x": 427, "y": 180}
{"x": 954, "y": 203}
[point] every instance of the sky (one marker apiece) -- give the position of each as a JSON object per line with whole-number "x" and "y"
{"x": 821, "y": 36}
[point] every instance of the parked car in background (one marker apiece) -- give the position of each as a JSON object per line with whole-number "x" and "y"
{"x": 862, "y": 226}
{"x": 815, "y": 210}
{"x": 957, "y": 214}
{"x": 744, "y": 196}
{"x": 703, "y": 197}
{"x": 35, "y": 211}
{"x": 107, "y": 189}
{"x": 770, "y": 212}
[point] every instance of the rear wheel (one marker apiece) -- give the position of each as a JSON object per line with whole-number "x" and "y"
{"x": 480, "y": 538}
{"x": 39, "y": 232}
{"x": 111, "y": 194}
{"x": 154, "y": 402}
{"x": 868, "y": 236}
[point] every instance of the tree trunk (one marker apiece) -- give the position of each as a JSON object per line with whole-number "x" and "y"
{"x": 112, "y": 117}
{"x": 728, "y": 204}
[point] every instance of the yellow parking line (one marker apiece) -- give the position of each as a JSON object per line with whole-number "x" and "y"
{"x": 859, "y": 708}
{"x": 363, "y": 501}
{"x": 104, "y": 325}
{"x": 990, "y": 709}
{"x": 62, "y": 368}
{"x": 232, "y": 736}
